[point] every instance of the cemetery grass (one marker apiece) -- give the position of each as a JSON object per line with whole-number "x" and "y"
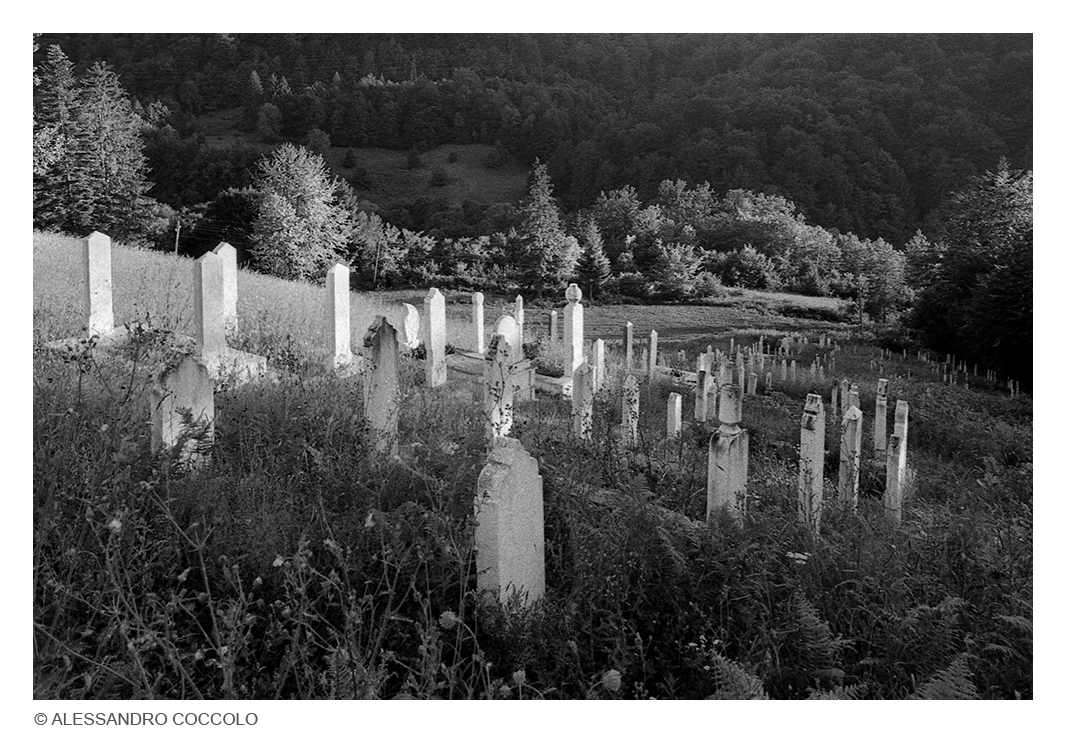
{"x": 299, "y": 565}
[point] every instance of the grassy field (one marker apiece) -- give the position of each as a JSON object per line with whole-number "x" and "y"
{"x": 390, "y": 178}
{"x": 301, "y": 565}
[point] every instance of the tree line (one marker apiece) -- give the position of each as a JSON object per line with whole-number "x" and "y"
{"x": 966, "y": 285}
{"x": 864, "y": 133}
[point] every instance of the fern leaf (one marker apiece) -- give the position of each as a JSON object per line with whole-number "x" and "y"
{"x": 950, "y": 683}
{"x": 734, "y": 682}
{"x": 854, "y": 691}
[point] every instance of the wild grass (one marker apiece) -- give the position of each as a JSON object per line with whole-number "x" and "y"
{"x": 299, "y": 564}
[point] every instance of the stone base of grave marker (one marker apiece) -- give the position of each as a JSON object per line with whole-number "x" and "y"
{"x": 509, "y": 525}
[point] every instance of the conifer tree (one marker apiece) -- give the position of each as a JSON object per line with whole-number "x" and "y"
{"x": 89, "y": 170}
{"x": 593, "y": 270}
{"x": 301, "y": 224}
{"x": 547, "y": 256}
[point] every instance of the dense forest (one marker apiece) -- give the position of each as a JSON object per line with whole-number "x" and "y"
{"x": 864, "y": 133}
{"x": 893, "y": 170}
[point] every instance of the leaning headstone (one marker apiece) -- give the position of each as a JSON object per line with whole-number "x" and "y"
{"x": 509, "y": 525}
{"x": 497, "y": 386}
{"x": 599, "y": 364}
{"x": 675, "y": 415}
{"x": 336, "y": 326}
{"x": 381, "y": 384}
{"x": 902, "y": 430}
{"x": 478, "y": 321}
{"x": 182, "y": 405}
{"x": 229, "y": 254}
{"x": 729, "y": 459}
{"x": 434, "y": 334}
{"x": 96, "y": 259}
{"x": 209, "y": 330}
{"x": 629, "y": 346}
{"x": 583, "y": 402}
{"x": 850, "y": 457}
{"x": 651, "y": 367}
{"x": 879, "y": 427}
{"x": 573, "y": 330}
{"x": 811, "y": 463}
{"x": 629, "y": 411}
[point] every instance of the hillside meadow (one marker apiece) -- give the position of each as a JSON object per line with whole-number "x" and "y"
{"x": 300, "y": 564}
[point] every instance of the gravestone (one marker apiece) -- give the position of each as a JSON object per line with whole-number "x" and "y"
{"x": 651, "y": 367}
{"x": 768, "y": 382}
{"x": 336, "y": 327}
{"x": 434, "y": 333}
{"x": 879, "y": 427}
{"x": 675, "y": 415}
{"x": 794, "y": 372}
{"x": 553, "y": 326}
{"x": 381, "y": 384}
{"x": 855, "y": 396}
{"x": 185, "y": 388}
{"x": 729, "y": 459}
{"x": 811, "y": 463}
{"x": 850, "y": 456}
{"x": 699, "y": 393}
{"x": 498, "y": 388}
{"x": 902, "y": 430}
{"x": 404, "y": 318}
{"x": 751, "y": 384}
{"x": 783, "y": 371}
{"x": 629, "y": 347}
{"x": 96, "y": 259}
{"x": 509, "y": 525}
{"x": 835, "y": 400}
{"x": 599, "y": 364}
{"x": 209, "y": 330}
{"x": 518, "y": 315}
{"x": 629, "y": 411}
{"x": 583, "y": 402}
{"x": 229, "y": 256}
{"x": 573, "y": 330}
{"x": 712, "y": 391}
{"x": 478, "y": 321}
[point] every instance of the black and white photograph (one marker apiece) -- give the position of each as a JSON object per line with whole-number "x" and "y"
{"x": 524, "y": 365}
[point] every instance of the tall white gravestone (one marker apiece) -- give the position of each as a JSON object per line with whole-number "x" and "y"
{"x": 573, "y": 330}
{"x": 337, "y": 327}
{"x": 729, "y": 459}
{"x": 96, "y": 259}
{"x": 210, "y": 331}
{"x": 477, "y": 321}
{"x": 811, "y": 463}
{"x": 434, "y": 313}
{"x": 675, "y": 416}
{"x": 229, "y": 256}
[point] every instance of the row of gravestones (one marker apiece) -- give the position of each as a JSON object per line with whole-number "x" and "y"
{"x": 186, "y": 390}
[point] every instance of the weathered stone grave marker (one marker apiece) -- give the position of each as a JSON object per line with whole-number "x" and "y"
{"x": 675, "y": 416}
{"x": 478, "y": 321}
{"x": 498, "y": 386}
{"x": 381, "y": 384}
{"x": 185, "y": 388}
{"x": 573, "y": 330}
{"x": 583, "y": 402}
{"x": 879, "y": 426}
{"x": 96, "y": 259}
{"x": 629, "y": 411}
{"x": 811, "y": 463}
{"x": 435, "y": 337}
{"x": 850, "y": 456}
{"x": 229, "y": 256}
{"x": 336, "y": 327}
{"x": 510, "y": 525}
{"x": 729, "y": 459}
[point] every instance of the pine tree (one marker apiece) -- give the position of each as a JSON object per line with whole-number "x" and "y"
{"x": 55, "y": 105}
{"x": 547, "y": 257}
{"x": 301, "y": 224}
{"x": 593, "y": 270}
{"x": 90, "y": 173}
